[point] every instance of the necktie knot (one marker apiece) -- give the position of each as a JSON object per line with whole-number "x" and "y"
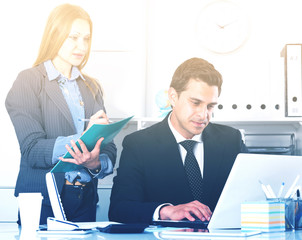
{"x": 188, "y": 145}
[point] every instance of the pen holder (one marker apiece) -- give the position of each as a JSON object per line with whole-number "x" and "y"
{"x": 264, "y": 216}
{"x": 289, "y": 211}
{"x": 298, "y": 214}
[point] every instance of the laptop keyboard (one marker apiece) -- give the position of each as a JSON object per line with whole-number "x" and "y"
{"x": 197, "y": 224}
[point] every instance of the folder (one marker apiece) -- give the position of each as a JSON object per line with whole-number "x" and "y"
{"x": 90, "y": 137}
{"x": 293, "y": 79}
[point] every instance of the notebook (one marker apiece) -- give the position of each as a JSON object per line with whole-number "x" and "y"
{"x": 243, "y": 185}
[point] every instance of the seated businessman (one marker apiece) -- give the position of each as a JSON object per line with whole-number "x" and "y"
{"x": 177, "y": 168}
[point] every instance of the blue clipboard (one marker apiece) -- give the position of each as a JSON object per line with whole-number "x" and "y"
{"x": 90, "y": 137}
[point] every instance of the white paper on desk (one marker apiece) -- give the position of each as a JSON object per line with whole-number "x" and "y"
{"x": 194, "y": 234}
{"x": 83, "y": 229}
{"x": 91, "y": 225}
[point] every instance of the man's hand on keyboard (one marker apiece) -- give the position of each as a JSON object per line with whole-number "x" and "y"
{"x": 191, "y": 211}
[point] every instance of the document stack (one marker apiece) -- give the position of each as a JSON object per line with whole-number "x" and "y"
{"x": 264, "y": 216}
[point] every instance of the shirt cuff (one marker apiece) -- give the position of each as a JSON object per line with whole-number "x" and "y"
{"x": 156, "y": 212}
{"x": 59, "y": 149}
{"x": 106, "y": 167}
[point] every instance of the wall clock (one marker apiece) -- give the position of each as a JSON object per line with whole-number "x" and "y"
{"x": 222, "y": 26}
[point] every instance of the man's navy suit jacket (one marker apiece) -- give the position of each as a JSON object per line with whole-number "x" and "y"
{"x": 151, "y": 170}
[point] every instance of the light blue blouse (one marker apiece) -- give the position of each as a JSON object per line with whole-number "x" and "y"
{"x": 73, "y": 99}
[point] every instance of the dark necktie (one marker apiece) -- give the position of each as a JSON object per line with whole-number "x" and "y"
{"x": 193, "y": 170}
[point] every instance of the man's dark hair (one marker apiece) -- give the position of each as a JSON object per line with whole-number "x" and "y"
{"x": 197, "y": 69}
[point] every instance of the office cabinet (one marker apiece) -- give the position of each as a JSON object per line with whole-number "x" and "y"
{"x": 271, "y": 143}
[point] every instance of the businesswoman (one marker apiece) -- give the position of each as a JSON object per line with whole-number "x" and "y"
{"x": 47, "y": 104}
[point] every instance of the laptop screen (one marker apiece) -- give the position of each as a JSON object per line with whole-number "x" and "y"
{"x": 243, "y": 184}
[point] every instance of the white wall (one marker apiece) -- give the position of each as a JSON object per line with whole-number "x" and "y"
{"x": 118, "y": 59}
{"x": 21, "y": 28}
{"x": 137, "y": 45}
{"x": 252, "y": 75}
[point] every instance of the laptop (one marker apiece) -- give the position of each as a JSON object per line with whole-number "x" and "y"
{"x": 243, "y": 185}
{"x": 54, "y": 197}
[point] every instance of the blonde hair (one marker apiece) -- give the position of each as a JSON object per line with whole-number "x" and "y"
{"x": 57, "y": 29}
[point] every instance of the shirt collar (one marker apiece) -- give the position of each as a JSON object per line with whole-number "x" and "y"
{"x": 179, "y": 138}
{"x": 53, "y": 73}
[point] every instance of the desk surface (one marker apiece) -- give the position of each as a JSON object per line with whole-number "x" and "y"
{"x": 11, "y": 231}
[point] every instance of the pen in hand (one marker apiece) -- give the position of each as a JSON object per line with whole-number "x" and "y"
{"x": 84, "y": 119}
{"x": 87, "y": 120}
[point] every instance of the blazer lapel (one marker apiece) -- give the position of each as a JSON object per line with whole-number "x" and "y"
{"x": 54, "y": 92}
{"x": 213, "y": 153}
{"x": 168, "y": 148}
{"x": 213, "y": 163}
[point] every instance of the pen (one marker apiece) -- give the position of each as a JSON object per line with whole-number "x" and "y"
{"x": 84, "y": 119}
{"x": 87, "y": 120}
{"x": 281, "y": 190}
{"x": 266, "y": 192}
{"x": 289, "y": 192}
{"x": 269, "y": 188}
